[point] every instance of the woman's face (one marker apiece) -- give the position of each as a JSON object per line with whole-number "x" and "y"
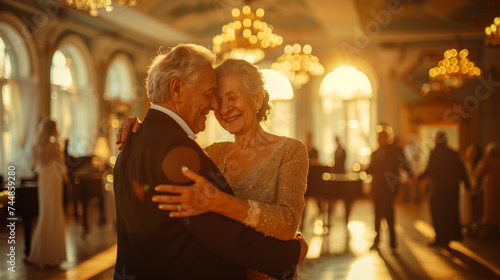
{"x": 237, "y": 108}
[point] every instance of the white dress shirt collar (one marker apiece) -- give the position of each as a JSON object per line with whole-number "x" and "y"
{"x": 176, "y": 118}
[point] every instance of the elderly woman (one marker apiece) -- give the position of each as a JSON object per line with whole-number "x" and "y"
{"x": 267, "y": 173}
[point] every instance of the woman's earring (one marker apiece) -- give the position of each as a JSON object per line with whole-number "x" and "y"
{"x": 258, "y": 110}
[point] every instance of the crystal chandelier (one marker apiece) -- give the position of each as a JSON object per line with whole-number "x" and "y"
{"x": 246, "y": 37}
{"x": 452, "y": 72}
{"x": 492, "y": 33}
{"x": 92, "y": 5}
{"x": 297, "y": 63}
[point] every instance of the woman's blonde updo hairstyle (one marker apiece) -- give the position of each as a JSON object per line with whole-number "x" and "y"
{"x": 252, "y": 81}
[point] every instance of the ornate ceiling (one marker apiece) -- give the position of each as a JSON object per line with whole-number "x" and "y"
{"x": 298, "y": 20}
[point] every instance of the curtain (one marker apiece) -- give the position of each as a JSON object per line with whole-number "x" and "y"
{"x": 23, "y": 124}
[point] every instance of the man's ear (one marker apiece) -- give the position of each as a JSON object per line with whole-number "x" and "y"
{"x": 175, "y": 88}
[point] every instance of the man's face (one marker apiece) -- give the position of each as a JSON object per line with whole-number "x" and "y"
{"x": 198, "y": 99}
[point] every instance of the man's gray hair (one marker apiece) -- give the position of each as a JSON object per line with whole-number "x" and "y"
{"x": 184, "y": 61}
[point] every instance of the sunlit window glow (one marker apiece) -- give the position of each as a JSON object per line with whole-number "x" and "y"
{"x": 60, "y": 72}
{"x": 315, "y": 247}
{"x": 277, "y": 84}
{"x": 118, "y": 81}
{"x": 346, "y": 83}
{"x": 6, "y": 103}
{"x": 5, "y": 61}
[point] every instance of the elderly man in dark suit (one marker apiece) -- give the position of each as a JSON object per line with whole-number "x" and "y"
{"x": 152, "y": 245}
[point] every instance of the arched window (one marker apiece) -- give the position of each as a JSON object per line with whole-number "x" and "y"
{"x": 74, "y": 104}
{"x": 19, "y": 97}
{"x": 119, "y": 93}
{"x": 5, "y": 75}
{"x": 346, "y": 97}
{"x": 281, "y": 94}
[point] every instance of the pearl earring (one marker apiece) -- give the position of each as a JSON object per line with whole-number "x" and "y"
{"x": 258, "y": 110}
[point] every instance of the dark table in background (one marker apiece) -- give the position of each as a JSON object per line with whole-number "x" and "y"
{"x": 324, "y": 185}
{"x": 26, "y": 207}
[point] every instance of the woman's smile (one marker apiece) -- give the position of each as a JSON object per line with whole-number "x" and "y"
{"x": 232, "y": 118}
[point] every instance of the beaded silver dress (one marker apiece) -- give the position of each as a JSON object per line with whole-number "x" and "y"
{"x": 275, "y": 189}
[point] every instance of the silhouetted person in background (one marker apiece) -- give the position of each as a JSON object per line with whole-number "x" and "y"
{"x": 339, "y": 157}
{"x": 471, "y": 201}
{"x": 489, "y": 167}
{"x": 311, "y": 151}
{"x": 412, "y": 154}
{"x": 386, "y": 164}
{"x": 445, "y": 170}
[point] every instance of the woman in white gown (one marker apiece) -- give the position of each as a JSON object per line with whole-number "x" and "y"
{"x": 49, "y": 238}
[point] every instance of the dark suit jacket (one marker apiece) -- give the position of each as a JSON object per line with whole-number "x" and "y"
{"x": 151, "y": 245}
{"x": 386, "y": 164}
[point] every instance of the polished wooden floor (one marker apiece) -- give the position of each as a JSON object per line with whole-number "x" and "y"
{"x": 338, "y": 252}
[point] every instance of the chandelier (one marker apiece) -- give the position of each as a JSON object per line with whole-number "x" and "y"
{"x": 246, "y": 37}
{"x": 93, "y": 5}
{"x": 493, "y": 38}
{"x": 297, "y": 63}
{"x": 452, "y": 72}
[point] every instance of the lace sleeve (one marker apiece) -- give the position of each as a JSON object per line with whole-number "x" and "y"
{"x": 281, "y": 220}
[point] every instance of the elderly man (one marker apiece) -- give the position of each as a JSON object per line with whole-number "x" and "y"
{"x": 152, "y": 245}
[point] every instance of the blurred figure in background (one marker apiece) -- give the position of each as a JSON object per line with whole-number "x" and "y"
{"x": 386, "y": 165}
{"x": 339, "y": 157}
{"x": 49, "y": 239}
{"x": 311, "y": 150}
{"x": 489, "y": 167}
{"x": 471, "y": 201}
{"x": 445, "y": 170}
{"x": 411, "y": 191}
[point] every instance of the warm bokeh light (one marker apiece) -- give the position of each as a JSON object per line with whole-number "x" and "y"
{"x": 356, "y": 167}
{"x": 278, "y": 86}
{"x": 451, "y": 73}
{"x": 246, "y": 37}
{"x": 115, "y": 123}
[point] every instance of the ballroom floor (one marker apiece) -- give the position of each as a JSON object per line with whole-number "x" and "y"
{"x": 343, "y": 253}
